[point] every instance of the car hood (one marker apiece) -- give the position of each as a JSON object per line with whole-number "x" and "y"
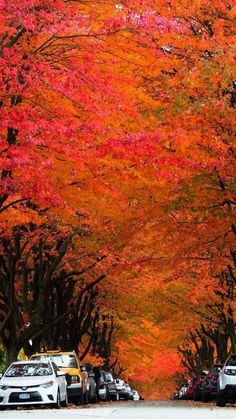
{"x": 25, "y": 381}
{"x": 71, "y": 371}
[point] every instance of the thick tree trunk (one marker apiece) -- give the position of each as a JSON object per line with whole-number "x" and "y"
{"x": 11, "y": 354}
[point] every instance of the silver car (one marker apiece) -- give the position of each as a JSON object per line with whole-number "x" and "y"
{"x": 33, "y": 383}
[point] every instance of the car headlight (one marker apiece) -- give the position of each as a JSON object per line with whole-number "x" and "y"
{"x": 229, "y": 372}
{"x": 4, "y": 387}
{"x": 75, "y": 379}
{"x": 46, "y": 385}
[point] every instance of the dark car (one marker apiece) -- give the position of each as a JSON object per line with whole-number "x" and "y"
{"x": 175, "y": 396}
{"x": 191, "y": 389}
{"x": 93, "y": 394}
{"x": 106, "y": 386}
{"x": 209, "y": 386}
{"x": 110, "y": 384}
{"x": 199, "y": 385}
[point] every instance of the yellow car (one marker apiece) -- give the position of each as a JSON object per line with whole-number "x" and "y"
{"x": 68, "y": 362}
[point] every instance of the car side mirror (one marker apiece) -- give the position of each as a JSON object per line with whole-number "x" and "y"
{"x": 83, "y": 368}
{"x": 1, "y": 375}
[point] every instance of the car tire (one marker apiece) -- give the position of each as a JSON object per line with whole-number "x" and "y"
{"x": 197, "y": 396}
{"x": 95, "y": 399}
{"x": 205, "y": 397}
{"x": 65, "y": 402}
{"x": 108, "y": 397}
{"x": 57, "y": 405}
{"x": 80, "y": 400}
{"x": 116, "y": 397}
{"x": 220, "y": 398}
{"x": 86, "y": 397}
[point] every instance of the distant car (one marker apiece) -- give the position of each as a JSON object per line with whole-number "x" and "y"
{"x": 107, "y": 387}
{"x": 175, "y": 396}
{"x": 122, "y": 389}
{"x": 136, "y": 396}
{"x": 199, "y": 385}
{"x": 191, "y": 389}
{"x": 33, "y": 383}
{"x": 209, "y": 385}
{"x": 226, "y": 385}
{"x": 130, "y": 395}
{"x": 182, "y": 390}
{"x": 92, "y": 388}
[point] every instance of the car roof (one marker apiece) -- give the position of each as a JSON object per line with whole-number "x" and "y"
{"x": 28, "y": 362}
{"x": 54, "y": 353}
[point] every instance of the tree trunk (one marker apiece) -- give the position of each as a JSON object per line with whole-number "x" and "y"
{"x": 11, "y": 354}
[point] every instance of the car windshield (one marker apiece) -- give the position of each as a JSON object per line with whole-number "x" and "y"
{"x": 107, "y": 376}
{"x": 28, "y": 370}
{"x": 232, "y": 361}
{"x": 61, "y": 360}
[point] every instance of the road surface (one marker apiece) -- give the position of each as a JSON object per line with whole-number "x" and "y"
{"x": 127, "y": 410}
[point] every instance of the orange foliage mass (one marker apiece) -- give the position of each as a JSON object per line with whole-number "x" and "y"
{"x": 136, "y": 146}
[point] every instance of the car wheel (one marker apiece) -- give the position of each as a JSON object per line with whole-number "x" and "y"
{"x": 205, "y": 397}
{"x": 86, "y": 397}
{"x": 197, "y": 396}
{"x": 57, "y": 405}
{"x": 79, "y": 400}
{"x": 108, "y": 397}
{"x": 220, "y": 398}
{"x": 65, "y": 402}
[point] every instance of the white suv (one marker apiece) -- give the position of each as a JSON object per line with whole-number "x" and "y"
{"x": 226, "y": 391}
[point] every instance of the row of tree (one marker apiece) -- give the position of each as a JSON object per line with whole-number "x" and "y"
{"x": 118, "y": 180}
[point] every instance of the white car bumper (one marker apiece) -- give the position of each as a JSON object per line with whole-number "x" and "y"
{"x": 33, "y": 395}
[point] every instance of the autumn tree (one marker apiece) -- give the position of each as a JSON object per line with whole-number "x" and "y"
{"x": 39, "y": 287}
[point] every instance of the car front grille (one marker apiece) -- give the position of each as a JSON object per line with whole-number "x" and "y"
{"x": 34, "y": 397}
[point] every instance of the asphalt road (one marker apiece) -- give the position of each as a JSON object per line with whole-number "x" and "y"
{"x": 128, "y": 410}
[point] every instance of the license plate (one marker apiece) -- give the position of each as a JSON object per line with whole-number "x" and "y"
{"x": 102, "y": 391}
{"x": 24, "y": 396}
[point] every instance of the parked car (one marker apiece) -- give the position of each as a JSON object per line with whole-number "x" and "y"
{"x": 33, "y": 382}
{"x": 136, "y": 396}
{"x": 191, "y": 389}
{"x": 122, "y": 389}
{"x": 107, "y": 389}
{"x": 199, "y": 384}
{"x": 93, "y": 395}
{"x": 175, "y": 396}
{"x": 129, "y": 391}
{"x": 182, "y": 390}
{"x": 226, "y": 386}
{"x": 78, "y": 390}
{"x": 209, "y": 385}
